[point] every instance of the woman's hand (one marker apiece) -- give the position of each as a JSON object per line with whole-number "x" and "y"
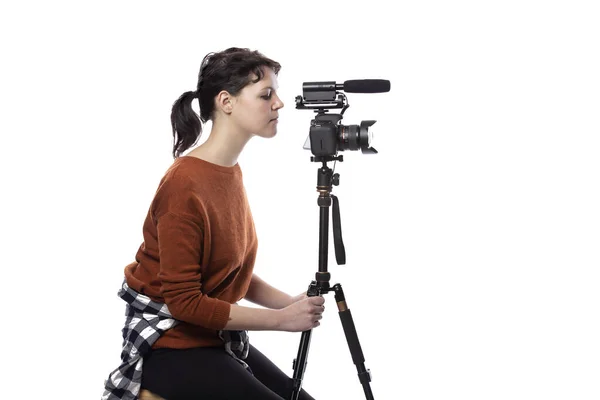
{"x": 299, "y": 297}
{"x": 302, "y": 315}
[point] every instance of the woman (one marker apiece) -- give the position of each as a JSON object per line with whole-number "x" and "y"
{"x": 185, "y": 336}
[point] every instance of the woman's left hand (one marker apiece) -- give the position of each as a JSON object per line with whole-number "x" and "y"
{"x": 299, "y": 297}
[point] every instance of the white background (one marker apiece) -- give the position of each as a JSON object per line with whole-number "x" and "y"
{"x": 471, "y": 238}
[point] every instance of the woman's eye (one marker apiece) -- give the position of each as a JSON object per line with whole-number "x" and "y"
{"x": 267, "y": 96}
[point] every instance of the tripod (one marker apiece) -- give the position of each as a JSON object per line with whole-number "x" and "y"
{"x": 325, "y": 180}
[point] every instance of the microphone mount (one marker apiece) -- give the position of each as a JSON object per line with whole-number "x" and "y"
{"x": 322, "y": 101}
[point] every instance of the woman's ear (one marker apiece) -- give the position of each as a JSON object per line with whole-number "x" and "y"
{"x": 224, "y": 102}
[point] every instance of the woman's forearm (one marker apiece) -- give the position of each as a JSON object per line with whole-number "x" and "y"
{"x": 263, "y": 294}
{"x": 298, "y": 317}
{"x": 252, "y": 319}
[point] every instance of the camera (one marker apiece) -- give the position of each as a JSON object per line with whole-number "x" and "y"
{"x": 327, "y": 135}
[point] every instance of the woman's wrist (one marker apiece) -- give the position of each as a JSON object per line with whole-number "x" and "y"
{"x": 289, "y": 301}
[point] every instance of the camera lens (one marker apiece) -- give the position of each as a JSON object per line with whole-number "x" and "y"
{"x": 349, "y": 137}
{"x": 354, "y": 137}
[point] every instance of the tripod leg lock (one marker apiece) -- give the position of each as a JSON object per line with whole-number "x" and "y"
{"x": 364, "y": 376}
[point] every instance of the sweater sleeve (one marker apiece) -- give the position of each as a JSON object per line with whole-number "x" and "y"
{"x": 180, "y": 241}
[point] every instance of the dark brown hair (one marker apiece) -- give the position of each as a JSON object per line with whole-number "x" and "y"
{"x": 230, "y": 70}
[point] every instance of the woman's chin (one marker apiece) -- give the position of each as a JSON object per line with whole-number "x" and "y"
{"x": 268, "y": 133}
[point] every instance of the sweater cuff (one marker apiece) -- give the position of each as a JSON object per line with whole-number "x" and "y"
{"x": 221, "y": 314}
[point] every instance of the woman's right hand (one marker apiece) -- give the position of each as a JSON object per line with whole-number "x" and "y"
{"x": 302, "y": 315}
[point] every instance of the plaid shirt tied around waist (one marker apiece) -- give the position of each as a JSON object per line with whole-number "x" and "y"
{"x": 146, "y": 321}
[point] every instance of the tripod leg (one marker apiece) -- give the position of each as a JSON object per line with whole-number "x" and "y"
{"x": 364, "y": 375}
{"x": 299, "y": 365}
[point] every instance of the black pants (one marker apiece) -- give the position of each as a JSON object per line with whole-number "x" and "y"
{"x": 209, "y": 373}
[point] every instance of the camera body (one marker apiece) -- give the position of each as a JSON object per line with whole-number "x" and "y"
{"x": 328, "y": 136}
{"x": 323, "y": 136}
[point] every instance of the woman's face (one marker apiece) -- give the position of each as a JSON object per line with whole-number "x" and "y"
{"x": 256, "y": 108}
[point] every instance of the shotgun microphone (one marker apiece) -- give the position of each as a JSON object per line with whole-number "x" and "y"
{"x": 367, "y": 86}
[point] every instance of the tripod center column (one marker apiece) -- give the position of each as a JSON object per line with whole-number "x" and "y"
{"x": 324, "y": 180}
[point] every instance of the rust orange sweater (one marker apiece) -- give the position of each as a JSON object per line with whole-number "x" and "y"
{"x": 198, "y": 251}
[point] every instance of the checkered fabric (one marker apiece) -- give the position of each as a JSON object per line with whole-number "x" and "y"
{"x": 146, "y": 321}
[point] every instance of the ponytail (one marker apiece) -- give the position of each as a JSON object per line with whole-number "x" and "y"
{"x": 185, "y": 123}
